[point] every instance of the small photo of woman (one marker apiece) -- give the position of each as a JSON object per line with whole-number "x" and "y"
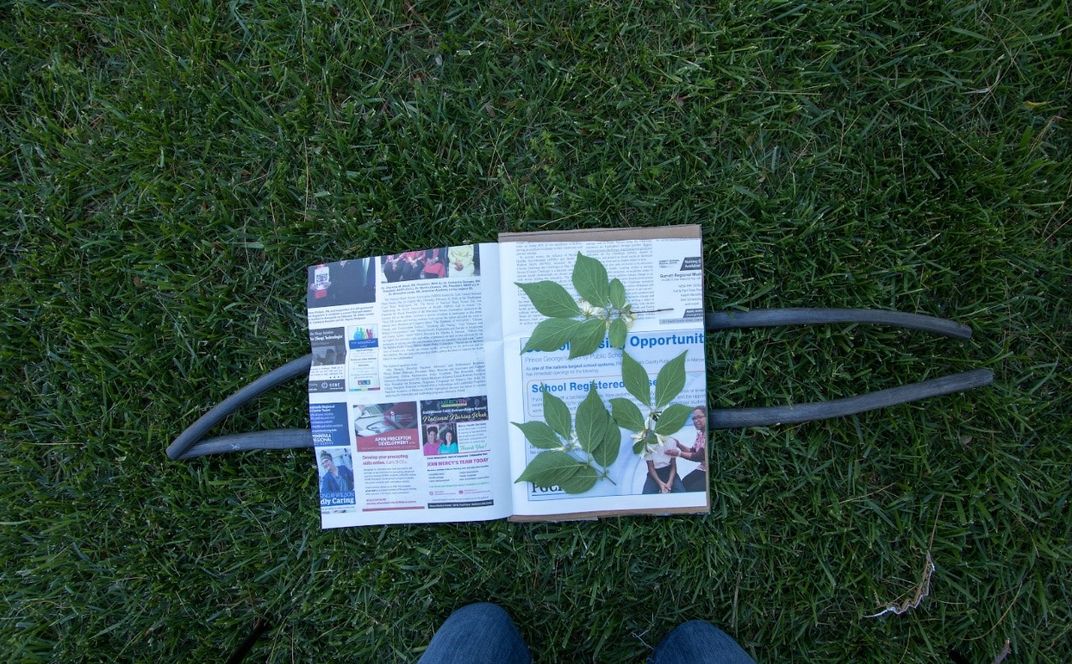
{"x": 431, "y": 441}
{"x": 697, "y": 452}
{"x": 434, "y": 264}
{"x": 448, "y": 442}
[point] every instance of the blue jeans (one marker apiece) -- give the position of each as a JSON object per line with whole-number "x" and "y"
{"x": 484, "y": 634}
{"x": 698, "y": 642}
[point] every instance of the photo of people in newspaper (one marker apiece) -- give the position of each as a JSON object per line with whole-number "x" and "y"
{"x": 664, "y": 473}
{"x": 464, "y": 417}
{"x": 413, "y": 265}
{"x": 431, "y": 441}
{"x": 439, "y": 263}
{"x": 336, "y": 477}
{"x": 450, "y": 440}
{"x": 695, "y": 479}
{"x": 435, "y": 264}
{"x": 345, "y": 282}
{"x": 463, "y": 261}
{"x": 440, "y": 440}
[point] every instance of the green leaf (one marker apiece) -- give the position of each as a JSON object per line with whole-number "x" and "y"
{"x": 592, "y": 420}
{"x": 648, "y": 439}
{"x": 590, "y": 280}
{"x": 616, "y": 293}
{"x": 557, "y": 414}
{"x": 551, "y": 299}
{"x": 618, "y": 330}
{"x": 581, "y": 481}
{"x": 597, "y": 433}
{"x": 670, "y": 381}
{"x": 586, "y": 337}
{"x": 552, "y": 334}
{"x": 607, "y": 451}
{"x": 636, "y": 379}
{"x": 551, "y": 468}
{"x": 672, "y": 418}
{"x": 626, "y": 414}
{"x": 539, "y": 434}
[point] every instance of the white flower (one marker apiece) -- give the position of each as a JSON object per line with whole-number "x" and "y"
{"x": 649, "y": 447}
{"x": 589, "y": 311}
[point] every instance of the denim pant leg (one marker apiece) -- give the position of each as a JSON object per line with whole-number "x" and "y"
{"x": 479, "y": 633}
{"x": 698, "y": 642}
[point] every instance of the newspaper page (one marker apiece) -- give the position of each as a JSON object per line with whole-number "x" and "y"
{"x": 406, "y": 393}
{"x": 663, "y": 285}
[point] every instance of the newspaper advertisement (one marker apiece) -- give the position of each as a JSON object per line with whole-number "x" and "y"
{"x": 662, "y": 280}
{"x": 406, "y": 392}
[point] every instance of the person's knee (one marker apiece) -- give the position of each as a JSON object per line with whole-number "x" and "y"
{"x": 699, "y": 641}
{"x": 481, "y": 616}
{"x": 480, "y": 632}
{"x": 481, "y": 606}
{"x": 699, "y": 628}
{"x": 483, "y": 610}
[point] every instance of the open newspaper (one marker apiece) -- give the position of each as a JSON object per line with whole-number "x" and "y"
{"x": 555, "y": 375}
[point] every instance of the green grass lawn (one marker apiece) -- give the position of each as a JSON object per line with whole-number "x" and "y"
{"x": 169, "y": 169}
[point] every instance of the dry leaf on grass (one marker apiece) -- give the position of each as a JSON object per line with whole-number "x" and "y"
{"x": 920, "y": 593}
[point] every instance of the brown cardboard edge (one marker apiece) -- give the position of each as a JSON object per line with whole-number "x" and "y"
{"x": 581, "y": 516}
{"x": 686, "y": 231}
